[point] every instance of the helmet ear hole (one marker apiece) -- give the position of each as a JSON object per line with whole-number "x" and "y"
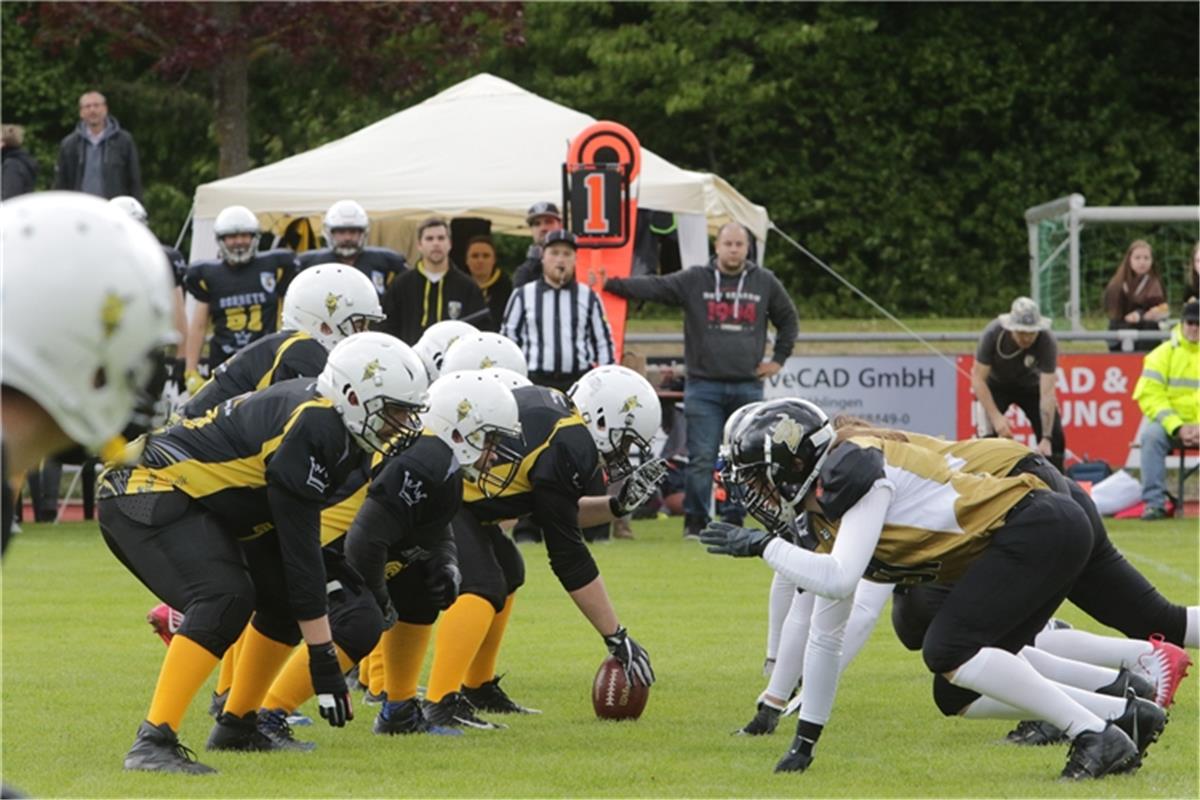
{"x": 100, "y": 378}
{"x": 352, "y": 397}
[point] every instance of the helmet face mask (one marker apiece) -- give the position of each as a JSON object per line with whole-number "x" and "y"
{"x": 346, "y": 216}
{"x": 621, "y": 411}
{"x": 476, "y": 416}
{"x": 237, "y": 221}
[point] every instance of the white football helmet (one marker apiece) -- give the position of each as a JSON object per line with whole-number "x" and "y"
{"x": 437, "y": 339}
{"x": 237, "y": 219}
{"x": 132, "y": 207}
{"x": 345, "y": 214}
{"x": 329, "y": 302}
{"x": 513, "y": 380}
{"x": 484, "y": 350}
{"x": 104, "y": 277}
{"x": 476, "y": 416}
{"x": 621, "y": 410}
{"x": 378, "y": 385}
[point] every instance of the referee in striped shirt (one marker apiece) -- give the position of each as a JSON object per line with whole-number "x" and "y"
{"x": 558, "y": 323}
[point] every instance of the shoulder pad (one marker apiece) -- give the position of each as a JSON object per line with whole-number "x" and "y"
{"x": 848, "y": 474}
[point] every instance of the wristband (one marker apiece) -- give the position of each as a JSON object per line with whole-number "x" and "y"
{"x": 614, "y": 507}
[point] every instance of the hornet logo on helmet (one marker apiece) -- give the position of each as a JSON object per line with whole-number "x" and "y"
{"x": 463, "y": 409}
{"x": 788, "y": 433}
{"x": 372, "y": 369}
{"x": 630, "y": 404}
{"x": 332, "y": 303}
{"x": 112, "y": 311}
{"x": 487, "y": 363}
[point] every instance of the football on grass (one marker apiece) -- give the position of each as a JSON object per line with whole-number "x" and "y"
{"x": 613, "y": 696}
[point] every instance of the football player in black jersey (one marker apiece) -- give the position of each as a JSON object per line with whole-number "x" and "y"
{"x": 558, "y": 458}
{"x": 344, "y": 230}
{"x": 322, "y": 307}
{"x": 887, "y": 510}
{"x": 238, "y": 293}
{"x": 221, "y": 516}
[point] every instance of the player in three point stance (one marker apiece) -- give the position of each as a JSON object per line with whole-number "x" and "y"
{"x": 894, "y": 513}
{"x": 563, "y": 446}
{"x": 221, "y": 518}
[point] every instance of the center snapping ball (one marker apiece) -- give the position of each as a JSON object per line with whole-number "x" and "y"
{"x": 613, "y": 696}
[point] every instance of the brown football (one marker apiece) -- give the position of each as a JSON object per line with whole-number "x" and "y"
{"x": 614, "y": 697}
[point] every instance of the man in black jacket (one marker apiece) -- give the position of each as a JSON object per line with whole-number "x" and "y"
{"x": 99, "y": 157}
{"x": 543, "y": 219}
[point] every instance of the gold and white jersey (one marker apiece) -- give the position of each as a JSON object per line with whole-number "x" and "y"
{"x": 991, "y": 456}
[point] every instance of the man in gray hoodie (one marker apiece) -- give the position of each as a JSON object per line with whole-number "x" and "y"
{"x": 727, "y": 304}
{"x": 98, "y": 157}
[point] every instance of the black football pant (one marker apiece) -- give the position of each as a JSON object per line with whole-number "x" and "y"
{"x": 490, "y": 562}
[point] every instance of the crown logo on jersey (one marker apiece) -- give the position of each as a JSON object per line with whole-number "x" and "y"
{"x": 112, "y": 311}
{"x": 788, "y": 433}
{"x": 332, "y": 301}
{"x": 464, "y": 408}
{"x": 372, "y": 369}
{"x": 391, "y": 569}
{"x": 630, "y": 404}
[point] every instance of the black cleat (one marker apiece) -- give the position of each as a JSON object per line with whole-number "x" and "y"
{"x": 239, "y": 734}
{"x": 795, "y": 760}
{"x": 455, "y": 711}
{"x": 407, "y": 717}
{"x": 1096, "y": 754}
{"x": 491, "y": 698}
{"x": 273, "y": 724}
{"x": 1035, "y": 733}
{"x": 764, "y": 722}
{"x": 1143, "y": 721}
{"x": 216, "y": 706}
{"x": 1142, "y": 687}
{"x": 158, "y": 749}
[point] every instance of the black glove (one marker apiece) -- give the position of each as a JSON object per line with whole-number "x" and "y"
{"x": 731, "y": 540}
{"x": 329, "y": 684}
{"x": 632, "y": 656}
{"x": 639, "y": 487}
{"x": 442, "y": 581}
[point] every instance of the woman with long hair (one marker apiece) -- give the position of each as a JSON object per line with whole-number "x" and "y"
{"x": 1134, "y": 297}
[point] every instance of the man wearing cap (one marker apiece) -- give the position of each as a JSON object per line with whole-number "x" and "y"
{"x": 543, "y": 219}
{"x": 1015, "y": 362}
{"x": 1168, "y": 393}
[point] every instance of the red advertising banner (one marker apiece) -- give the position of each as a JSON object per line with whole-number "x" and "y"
{"x": 1100, "y": 418}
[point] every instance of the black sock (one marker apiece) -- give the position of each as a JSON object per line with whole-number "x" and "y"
{"x": 807, "y": 734}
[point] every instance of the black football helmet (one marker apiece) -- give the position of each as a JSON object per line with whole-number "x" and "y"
{"x": 775, "y": 453}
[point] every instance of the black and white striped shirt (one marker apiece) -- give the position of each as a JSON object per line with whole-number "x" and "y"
{"x": 561, "y": 331}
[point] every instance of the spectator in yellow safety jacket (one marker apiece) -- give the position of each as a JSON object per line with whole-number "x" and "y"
{"x": 1168, "y": 393}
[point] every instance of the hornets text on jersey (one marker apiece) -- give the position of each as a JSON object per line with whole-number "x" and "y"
{"x": 278, "y": 357}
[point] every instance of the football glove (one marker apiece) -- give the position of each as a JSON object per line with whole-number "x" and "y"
{"x": 442, "y": 581}
{"x": 640, "y": 486}
{"x": 633, "y": 657}
{"x": 724, "y": 538}
{"x": 192, "y": 381}
{"x": 329, "y": 684}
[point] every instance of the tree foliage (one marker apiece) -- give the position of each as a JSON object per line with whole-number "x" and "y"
{"x": 900, "y": 142}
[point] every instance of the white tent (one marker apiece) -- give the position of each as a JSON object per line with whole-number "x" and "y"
{"x": 483, "y": 148}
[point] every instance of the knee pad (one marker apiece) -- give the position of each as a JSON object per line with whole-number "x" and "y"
{"x": 356, "y": 621}
{"x": 215, "y": 623}
{"x": 410, "y": 597}
{"x": 277, "y": 626}
{"x": 951, "y": 699}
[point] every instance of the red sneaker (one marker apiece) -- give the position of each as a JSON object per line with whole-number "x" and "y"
{"x": 1166, "y": 664}
{"x": 165, "y": 621}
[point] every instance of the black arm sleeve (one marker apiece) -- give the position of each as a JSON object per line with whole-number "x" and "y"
{"x": 304, "y": 359}
{"x": 367, "y": 546}
{"x": 557, "y": 513}
{"x": 298, "y": 525}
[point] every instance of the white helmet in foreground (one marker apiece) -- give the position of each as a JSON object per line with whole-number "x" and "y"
{"x": 378, "y": 385}
{"x": 104, "y": 275}
{"x": 234, "y": 220}
{"x": 476, "y": 416}
{"x": 484, "y": 350}
{"x": 329, "y": 302}
{"x": 437, "y": 339}
{"x": 621, "y": 410}
{"x": 132, "y": 207}
{"x": 342, "y": 215}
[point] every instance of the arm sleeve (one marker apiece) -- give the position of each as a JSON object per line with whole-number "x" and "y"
{"x": 304, "y": 359}
{"x": 836, "y": 574}
{"x": 193, "y": 282}
{"x": 367, "y": 547}
{"x": 557, "y": 514}
{"x": 298, "y": 525}
{"x": 822, "y": 658}
{"x": 659, "y": 288}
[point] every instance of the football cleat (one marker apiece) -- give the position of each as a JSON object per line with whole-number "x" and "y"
{"x": 1126, "y": 680}
{"x": 1166, "y": 665}
{"x": 407, "y": 717}
{"x": 491, "y": 698}
{"x": 165, "y": 621}
{"x": 239, "y": 734}
{"x": 1096, "y": 754}
{"x": 1143, "y": 721}
{"x": 455, "y": 711}
{"x": 1035, "y": 733}
{"x": 216, "y": 706}
{"x": 766, "y": 718}
{"x": 795, "y": 759}
{"x": 158, "y": 749}
{"x": 273, "y": 723}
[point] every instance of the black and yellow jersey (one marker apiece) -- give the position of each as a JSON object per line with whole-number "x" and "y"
{"x": 243, "y": 301}
{"x": 177, "y": 263}
{"x": 278, "y": 357}
{"x": 939, "y": 519}
{"x": 380, "y": 264}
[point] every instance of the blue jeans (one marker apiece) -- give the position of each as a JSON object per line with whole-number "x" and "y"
{"x": 1155, "y": 444}
{"x": 706, "y": 406}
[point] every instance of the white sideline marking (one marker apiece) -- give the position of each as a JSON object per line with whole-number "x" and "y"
{"x": 1166, "y": 569}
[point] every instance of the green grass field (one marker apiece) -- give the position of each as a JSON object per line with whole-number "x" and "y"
{"x": 79, "y": 665}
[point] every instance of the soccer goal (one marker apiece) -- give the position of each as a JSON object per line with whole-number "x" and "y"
{"x": 1074, "y": 250}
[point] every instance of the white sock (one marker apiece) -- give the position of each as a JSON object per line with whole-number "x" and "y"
{"x": 1106, "y": 651}
{"x": 779, "y": 600}
{"x": 1002, "y": 676}
{"x": 1101, "y": 705}
{"x": 1191, "y": 631}
{"x": 1067, "y": 670}
{"x": 869, "y": 600}
{"x": 793, "y": 640}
